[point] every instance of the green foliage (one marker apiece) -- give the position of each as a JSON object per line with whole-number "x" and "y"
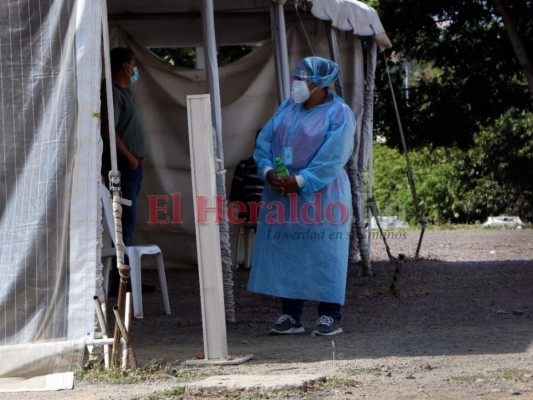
{"x": 182, "y": 57}
{"x": 186, "y": 56}
{"x": 466, "y": 93}
{"x": 472, "y": 75}
{"x": 436, "y": 181}
{"x": 494, "y": 177}
{"x": 499, "y": 176}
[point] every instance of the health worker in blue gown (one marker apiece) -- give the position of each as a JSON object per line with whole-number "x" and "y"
{"x": 301, "y": 247}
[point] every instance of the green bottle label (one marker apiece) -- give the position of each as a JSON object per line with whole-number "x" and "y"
{"x": 281, "y": 169}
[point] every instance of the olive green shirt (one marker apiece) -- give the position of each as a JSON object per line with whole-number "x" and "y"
{"x": 129, "y": 125}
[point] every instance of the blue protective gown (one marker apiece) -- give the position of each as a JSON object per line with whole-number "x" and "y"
{"x": 301, "y": 245}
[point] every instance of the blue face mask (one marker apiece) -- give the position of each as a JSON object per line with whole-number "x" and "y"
{"x": 135, "y": 77}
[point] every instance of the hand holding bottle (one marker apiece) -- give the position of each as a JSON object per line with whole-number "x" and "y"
{"x": 274, "y": 180}
{"x": 281, "y": 180}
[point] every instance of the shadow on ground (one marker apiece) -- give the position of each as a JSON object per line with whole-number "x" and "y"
{"x": 443, "y": 308}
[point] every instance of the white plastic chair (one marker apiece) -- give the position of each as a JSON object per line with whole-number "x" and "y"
{"x": 135, "y": 254}
{"x": 248, "y": 232}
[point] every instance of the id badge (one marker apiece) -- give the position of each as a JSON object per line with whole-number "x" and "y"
{"x": 287, "y": 155}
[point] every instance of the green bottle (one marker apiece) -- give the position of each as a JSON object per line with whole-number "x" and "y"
{"x": 281, "y": 169}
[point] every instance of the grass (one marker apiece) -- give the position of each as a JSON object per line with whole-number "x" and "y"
{"x": 336, "y": 383}
{"x": 468, "y": 378}
{"x": 167, "y": 394}
{"x": 156, "y": 370}
{"x": 510, "y": 374}
{"x": 365, "y": 371}
{"x": 452, "y": 227}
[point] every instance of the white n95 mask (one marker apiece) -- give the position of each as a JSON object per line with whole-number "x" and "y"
{"x": 299, "y": 92}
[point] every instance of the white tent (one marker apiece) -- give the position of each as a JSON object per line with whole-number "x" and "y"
{"x": 50, "y": 74}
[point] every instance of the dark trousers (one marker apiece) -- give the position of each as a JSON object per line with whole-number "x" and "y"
{"x": 130, "y": 184}
{"x": 295, "y": 308}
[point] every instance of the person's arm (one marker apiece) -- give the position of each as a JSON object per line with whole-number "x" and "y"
{"x": 122, "y": 150}
{"x": 263, "y": 156}
{"x": 263, "y": 152}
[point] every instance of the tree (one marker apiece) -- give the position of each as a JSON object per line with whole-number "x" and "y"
{"x": 186, "y": 56}
{"x": 469, "y": 73}
{"x": 498, "y": 177}
{"x": 516, "y": 40}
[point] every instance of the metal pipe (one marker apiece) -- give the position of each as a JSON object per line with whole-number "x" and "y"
{"x": 284, "y": 53}
{"x": 334, "y": 54}
{"x": 103, "y": 326}
{"x": 277, "y": 56}
{"x": 208, "y": 22}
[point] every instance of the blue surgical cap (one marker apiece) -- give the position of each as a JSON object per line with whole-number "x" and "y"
{"x": 317, "y": 70}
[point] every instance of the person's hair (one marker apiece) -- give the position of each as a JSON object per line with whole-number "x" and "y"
{"x": 119, "y": 57}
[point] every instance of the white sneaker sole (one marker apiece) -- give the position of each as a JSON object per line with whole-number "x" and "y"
{"x": 301, "y": 329}
{"x": 335, "y": 332}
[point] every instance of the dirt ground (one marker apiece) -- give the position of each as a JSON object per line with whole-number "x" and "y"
{"x": 460, "y": 327}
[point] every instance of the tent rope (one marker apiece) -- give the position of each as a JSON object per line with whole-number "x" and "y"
{"x": 421, "y": 218}
{"x": 304, "y": 30}
{"x": 396, "y": 261}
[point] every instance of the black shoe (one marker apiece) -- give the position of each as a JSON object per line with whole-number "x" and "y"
{"x": 327, "y": 326}
{"x": 286, "y": 325}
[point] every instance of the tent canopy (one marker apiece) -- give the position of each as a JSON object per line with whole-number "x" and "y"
{"x": 168, "y": 23}
{"x": 248, "y": 93}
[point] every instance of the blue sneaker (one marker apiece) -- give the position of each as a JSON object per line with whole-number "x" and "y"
{"x": 327, "y": 326}
{"x": 286, "y": 325}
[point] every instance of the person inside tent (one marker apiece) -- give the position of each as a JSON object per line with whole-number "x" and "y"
{"x": 130, "y": 142}
{"x": 301, "y": 246}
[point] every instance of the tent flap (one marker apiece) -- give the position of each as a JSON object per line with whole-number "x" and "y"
{"x": 48, "y": 208}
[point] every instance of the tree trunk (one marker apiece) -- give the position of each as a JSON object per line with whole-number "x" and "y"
{"x": 518, "y": 45}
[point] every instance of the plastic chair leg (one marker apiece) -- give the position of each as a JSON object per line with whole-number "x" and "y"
{"x": 136, "y": 285}
{"x": 248, "y": 245}
{"x": 163, "y": 282}
{"x": 235, "y": 246}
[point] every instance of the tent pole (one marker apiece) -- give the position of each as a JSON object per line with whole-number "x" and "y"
{"x": 210, "y": 51}
{"x": 281, "y": 54}
{"x": 277, "y": 57}
{"x": 114, "y": 183}
{"x": 334, "y": 54}
{"x": 284, "y": 53}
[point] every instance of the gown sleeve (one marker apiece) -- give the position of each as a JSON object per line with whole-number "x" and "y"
{"x": 263, "y": 154}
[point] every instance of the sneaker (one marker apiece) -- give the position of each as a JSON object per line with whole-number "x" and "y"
{"x": 327, "y": 326}
{"x": 286, "y": 325}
